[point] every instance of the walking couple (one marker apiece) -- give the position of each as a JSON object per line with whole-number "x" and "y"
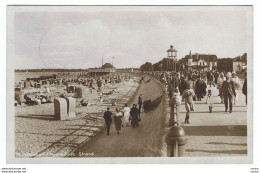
{"x": 117, "y": 120}
{"x": 127, "y": 115}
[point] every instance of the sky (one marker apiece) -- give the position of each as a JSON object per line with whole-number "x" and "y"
{"x": 80, "y": 36}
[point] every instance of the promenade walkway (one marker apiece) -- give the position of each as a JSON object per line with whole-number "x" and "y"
{"x": 218, "y": 133}
{"x": 142, "y": 141}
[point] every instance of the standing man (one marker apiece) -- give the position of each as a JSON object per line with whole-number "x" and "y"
{"x": 216, "y": 75}
{"x": 108, "y": 119}
{"x": 175, "y": 82}
{"x": 140, "y": 102}
{"x": 228, "y": 92}
{"x": 211, "y": 79}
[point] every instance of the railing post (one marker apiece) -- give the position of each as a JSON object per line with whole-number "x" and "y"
{"x": 175, "y": 149}
{"x": 174, "y": 115}
{"x": 176, "y": 141}
{"x": 175, "y": 138}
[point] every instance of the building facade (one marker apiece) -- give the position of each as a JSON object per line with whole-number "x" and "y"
{"x": 240, "y": 63}
{"x": 199, "y": 62}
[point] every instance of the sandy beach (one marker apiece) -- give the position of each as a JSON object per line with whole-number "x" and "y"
{"x": 38, "y": 134}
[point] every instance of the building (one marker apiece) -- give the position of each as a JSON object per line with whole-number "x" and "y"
{"x": 104, "y": 70}
{"x": 201, "y": 62}
{"x": 240, "y": 63}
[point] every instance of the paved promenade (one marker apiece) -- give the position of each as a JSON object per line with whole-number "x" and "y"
{"x": 218, "y": 133}
{"x": 142, "y": 141}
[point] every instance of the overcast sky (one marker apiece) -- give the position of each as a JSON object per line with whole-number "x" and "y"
{"x": 78, "y": 37}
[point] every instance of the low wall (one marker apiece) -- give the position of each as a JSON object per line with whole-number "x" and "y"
{"x": 165, "y": 118}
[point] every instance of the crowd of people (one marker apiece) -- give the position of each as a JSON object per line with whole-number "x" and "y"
{"x": 196, "y": 85}
{"x": 187, "y": 87}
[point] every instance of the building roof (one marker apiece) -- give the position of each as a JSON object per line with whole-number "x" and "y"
{"x": 107, "y": 65}
{"x": 242, "y": 58}
{"x": 171, "y": 49}
{"x": 206, "y": 57}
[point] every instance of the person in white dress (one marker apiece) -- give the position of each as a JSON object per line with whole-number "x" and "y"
{"x": 177, "y": 95}
{"x": 210, "y": 100}
{"x": 237, "y": 84}
{"x": 126, "y": 114}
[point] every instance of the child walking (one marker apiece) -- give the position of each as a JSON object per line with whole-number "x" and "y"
{"x": 188, "y": 95}
{"x": 210, "y": 100}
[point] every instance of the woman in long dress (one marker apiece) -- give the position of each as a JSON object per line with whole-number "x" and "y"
{"x": 126, "y": 114}
{"x": 118, "y": 120}
{"x": 237, "y": 84}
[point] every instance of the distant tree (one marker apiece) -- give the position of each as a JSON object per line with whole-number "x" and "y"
{"x": 147, "y": 67}
{"x": 244, "y": 58}
{"x": 225, "y": 64}
{"x": 157, "y": 66}
{"x": 166, "y": 64}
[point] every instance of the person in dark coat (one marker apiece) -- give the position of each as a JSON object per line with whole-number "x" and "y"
{"x": 140, "y": 102}
{"x": 216, "y": 75}
{"x": 134, "y": 116}
{"x": 199, "y": 89}
{"x": 244, "y": 89}
{"x": 203, "y": 87}
{"x": 182, "y": 84}
{"x": 211, "y": 79}
{"x": 108, "y": 119}
{"x": 208, "y": 76}
{"x": 228, "y": 92}
{"x": 175, "y": 82}
{"x": 118, "y": 120}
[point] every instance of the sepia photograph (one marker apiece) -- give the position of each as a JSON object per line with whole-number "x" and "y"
{"x": 129, "y": 84}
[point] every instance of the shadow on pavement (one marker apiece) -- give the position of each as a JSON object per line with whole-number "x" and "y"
{"x": 222, "y": 143}
{"x": 40, "y": 117}
{"x": 220, "y": 151}
{"x": 203, "y": 112}
{"x": 203, "y": 103}
{"x": 223, "y": 130}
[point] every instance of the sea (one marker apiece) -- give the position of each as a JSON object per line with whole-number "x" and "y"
{"x": 19, "y": 76}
